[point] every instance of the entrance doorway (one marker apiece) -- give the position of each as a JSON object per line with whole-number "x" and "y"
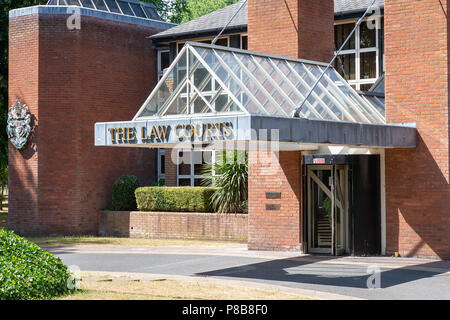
{"x": 327, "y": 209}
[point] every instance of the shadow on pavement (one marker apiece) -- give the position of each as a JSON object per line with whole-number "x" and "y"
{"x": 307, "y": 270}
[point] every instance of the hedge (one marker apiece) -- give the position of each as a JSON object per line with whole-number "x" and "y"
{"x": 28, "y": 272}
{"x": 123, "y": 193}
{"x": 178, "y": 199}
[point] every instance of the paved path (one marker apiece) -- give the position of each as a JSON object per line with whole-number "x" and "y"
{"x": 399, "y": 278}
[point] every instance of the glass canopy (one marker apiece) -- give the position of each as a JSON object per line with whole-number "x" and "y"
{"x": 213, "y": 80}
{"x": 125, "y": 7}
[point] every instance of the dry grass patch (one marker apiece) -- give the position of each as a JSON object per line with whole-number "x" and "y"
{"x": 172, "y": 290}
{"x": 106, "y": 241}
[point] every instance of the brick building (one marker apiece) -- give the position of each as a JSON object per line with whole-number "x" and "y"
{"x": 352, "y": 162}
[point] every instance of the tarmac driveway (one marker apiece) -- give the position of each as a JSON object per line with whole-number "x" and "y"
{"x": 398, "y": 278}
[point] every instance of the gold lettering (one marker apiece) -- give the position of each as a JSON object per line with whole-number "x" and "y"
{"x": 131, "y": 136}
{"x": 219, "y": 129}
{"x": 229, "y": 130}
{"x": 196, "y": 130}
{"x": 112, "y": 131}
{"x": 162, "y": 132}
{"x": 121, "y": 134}
{"x": 143, "y": 135}
{"x": 176, "y": 133}
{"x": 153, "y": 134}
{"x": 186, "y": 133}
{"x": 209, "y": 130}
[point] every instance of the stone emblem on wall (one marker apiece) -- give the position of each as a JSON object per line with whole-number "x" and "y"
{"x": 18, "y": 127}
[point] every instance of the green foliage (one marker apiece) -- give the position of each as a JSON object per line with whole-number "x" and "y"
{"x": 123, "y": 198}
{"x": 177, "y": 199}
{"x": 28, "y": 272}
{"x": 159, "y": 183}
{"x": 326, "y": 204}
{"x": 186, "y": 10}
{"x": 230, "y": 176}
{"x": 3, "y": 175}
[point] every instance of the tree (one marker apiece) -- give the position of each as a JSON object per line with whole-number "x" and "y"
{"x": 185, "y": 10}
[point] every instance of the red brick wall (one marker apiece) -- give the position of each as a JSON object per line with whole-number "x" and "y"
{"x": 171, "y": 168}
{"x": 298, "y": 29}
{"x": 70, "y": 80}
{"x": 417, "y": 90}
{"x": 174, "y": 225}
{"x": 278, "y": 229}
{"x": 293, "y": 28}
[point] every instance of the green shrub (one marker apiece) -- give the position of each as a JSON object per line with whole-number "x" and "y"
{"x": 179, "y": 199}
{"x": 231, "y": 179}
{"x": 28, "y": 272}
{"x": 123, "y": 198}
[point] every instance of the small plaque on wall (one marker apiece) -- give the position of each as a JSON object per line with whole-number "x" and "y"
{"x": 273, "y": 195}
{"x": 272, "y": 207}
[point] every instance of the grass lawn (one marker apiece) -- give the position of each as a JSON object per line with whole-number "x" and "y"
{"x": 103, "y": 241}
{"x": 114, "y": 288}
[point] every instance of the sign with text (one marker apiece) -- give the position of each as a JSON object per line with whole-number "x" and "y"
{"x": 166, "y": 131}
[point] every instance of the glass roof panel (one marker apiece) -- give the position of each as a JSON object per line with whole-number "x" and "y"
{"x": 219, "y": 80}
{"x": 126, "y": 7}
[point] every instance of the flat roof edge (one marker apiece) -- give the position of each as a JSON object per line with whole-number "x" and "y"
{"x": 41, "y": 9}
{"x": 289, "y": 130}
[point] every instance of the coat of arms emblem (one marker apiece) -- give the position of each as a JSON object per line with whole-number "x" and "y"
{"x": 18, "y": 127}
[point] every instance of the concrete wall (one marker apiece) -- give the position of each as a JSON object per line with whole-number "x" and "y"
{"x": 174, "y": 225}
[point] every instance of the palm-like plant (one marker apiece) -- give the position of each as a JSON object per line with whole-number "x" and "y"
{"x": 230, "y": 176}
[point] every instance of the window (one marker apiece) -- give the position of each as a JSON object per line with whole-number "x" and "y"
{"x": 163, "y": 62}
{"x": 190, "y": 164}
{"x": 161, "y": 164}
{"x": 360, "y": 62}
{"x": 244, "y": 42}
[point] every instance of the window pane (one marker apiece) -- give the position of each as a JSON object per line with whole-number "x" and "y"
{"x": 184, "y": 163}
{"x": 341, "y": 32}
{"x": 137, "y": 10}
{"x": 100, "y": 5}
{"x": 200, "y": 159}
{"x": 112, "y": 6}
{"x": 345, "y": 65}
{"x": 73, "y": 2}
{"x": 368, "y": 65}
{"x": 184, "y": 182}
{"x": 151, "y": 14}
{"x": 244, "y": 44}
{"x": 163, "y": 164}
{"x": 222, "y": 42}
{"x": 52, "y": 3}
{"x": 87, "y": 3}
{"x": 366, "y": 87}
{"x": 367, "y": 36}
{"x": 125, "y": 8}
{"x": 198, "y": 182}
{"x": 165, "y": 60}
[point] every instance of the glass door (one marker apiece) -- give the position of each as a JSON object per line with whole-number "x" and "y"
{"x": 327, "y": 209}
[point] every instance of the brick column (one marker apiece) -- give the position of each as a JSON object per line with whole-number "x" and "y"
{"x": 71, "y": 79}
{"x": 417, "y": 90}
{"x": 171, "y": 168}
{"x": 274, "y": 200}
{"x": 293, "y": 28}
